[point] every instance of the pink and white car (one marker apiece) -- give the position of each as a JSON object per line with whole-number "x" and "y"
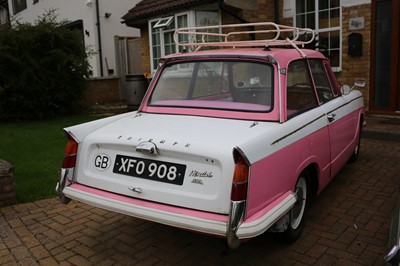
{"x": 230, "y": 142}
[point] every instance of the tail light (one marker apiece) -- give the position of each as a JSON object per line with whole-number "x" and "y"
{"x": 70, "y": 152}
{"x": 240, "y": 178}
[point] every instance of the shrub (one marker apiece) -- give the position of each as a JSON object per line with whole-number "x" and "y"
{"x": 42, "y": 69}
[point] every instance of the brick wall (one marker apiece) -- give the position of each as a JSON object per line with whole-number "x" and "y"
{"x": 102, "y": 90}
{"x": 356, "y": 67}
{"x": 352, "y": 67}
{"x": 145, "y": 48}
{"x": 7, "y": 185}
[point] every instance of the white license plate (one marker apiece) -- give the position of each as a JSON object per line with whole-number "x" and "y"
{"x": 150, "y": 169}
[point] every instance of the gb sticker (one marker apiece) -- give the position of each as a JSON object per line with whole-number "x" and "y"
{"x": 102, "y": 162}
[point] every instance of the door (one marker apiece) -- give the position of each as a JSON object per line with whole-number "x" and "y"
{"x": 342, "y": 121}
{"x": 385, "y": 85}
{"x": 129, "y": 60}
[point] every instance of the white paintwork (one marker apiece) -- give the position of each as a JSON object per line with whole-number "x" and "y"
{"x": 265, "y": 221}
{"x": 347, "y": 3}
{"x": 73, "y": 10}
{"x": 289, "y": 6}
{"x": 203, "y": 144}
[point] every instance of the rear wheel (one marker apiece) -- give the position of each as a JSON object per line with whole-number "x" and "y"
{"x": 298, "y": 212}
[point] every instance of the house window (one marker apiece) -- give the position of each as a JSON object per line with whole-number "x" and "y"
{"x": 162, "y": 36}
{"x": 162, "y": 31}
{"x": 18, "y": 5}
{"x": 324, "y": 16}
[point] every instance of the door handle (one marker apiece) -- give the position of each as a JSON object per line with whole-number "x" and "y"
{"x": 331, "y": 117}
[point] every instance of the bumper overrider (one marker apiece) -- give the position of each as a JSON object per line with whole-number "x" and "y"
{"x": 234, "y": 227}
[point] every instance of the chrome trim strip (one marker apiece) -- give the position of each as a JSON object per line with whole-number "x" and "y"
{"x": 337, "y": 108}
{"x": 298, "y": 129}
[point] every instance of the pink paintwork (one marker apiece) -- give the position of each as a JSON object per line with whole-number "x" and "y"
{"x": 214, "y": 104}
{"x": 212, "y": 113}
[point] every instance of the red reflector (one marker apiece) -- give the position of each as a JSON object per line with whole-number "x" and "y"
{"x": 69, "y": 161}
{"x": 239, "y": 192}
{"x": 70, "y": 152}
{"x": 240, "y": 178}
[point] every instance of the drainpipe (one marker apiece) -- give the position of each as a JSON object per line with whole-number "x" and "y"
{"x": 99, "y": 37}
{"x": 277, "y": 11}
{"x": 223, "y": 7}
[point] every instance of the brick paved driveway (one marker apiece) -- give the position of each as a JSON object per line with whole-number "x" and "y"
{"x": 347, "y": 225}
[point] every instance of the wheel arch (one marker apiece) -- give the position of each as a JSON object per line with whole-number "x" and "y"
{"x": 312, "y": 179}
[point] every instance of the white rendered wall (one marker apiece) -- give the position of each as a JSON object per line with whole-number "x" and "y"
{"x": 85, "y": 10}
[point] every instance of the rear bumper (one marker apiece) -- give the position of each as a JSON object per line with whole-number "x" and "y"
{"x": 214, "y": 224}
{"x": 199, "y": 221}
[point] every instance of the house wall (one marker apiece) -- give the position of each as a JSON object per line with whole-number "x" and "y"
{"x": 263, "y": 12}
{"x": 356, "y": 67}
{"x": 352, "y": 67}
{"x": 85, "y": 10}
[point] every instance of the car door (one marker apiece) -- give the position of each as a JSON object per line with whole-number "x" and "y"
{"x": 305, "y": 118}
{"x": 342, "y": 122}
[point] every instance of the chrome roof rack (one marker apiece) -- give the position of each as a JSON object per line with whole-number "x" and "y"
{"x": 270, "y": 34}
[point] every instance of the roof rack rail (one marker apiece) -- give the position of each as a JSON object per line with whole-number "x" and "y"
{"x": 212, "y": 36}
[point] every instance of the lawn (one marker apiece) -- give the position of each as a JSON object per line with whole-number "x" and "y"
{"x": 36, "y": 150}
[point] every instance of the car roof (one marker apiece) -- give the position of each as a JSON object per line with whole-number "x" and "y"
{"x": 281, "y": 55}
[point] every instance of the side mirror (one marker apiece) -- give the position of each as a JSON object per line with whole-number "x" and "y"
{"x": 360, "y": 82}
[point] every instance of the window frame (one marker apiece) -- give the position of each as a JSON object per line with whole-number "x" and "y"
{"x": 161, "y": 35}
{"x": 319, "y": 30}
{"x": 219, "y": 98}
{"x": 191, "y": 22}
{"x": 298, "y": 111}
{"x": 325, "y": 74}
{"x": 164, "y": 22}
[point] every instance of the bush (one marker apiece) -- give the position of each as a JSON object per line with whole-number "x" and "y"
{"x": 42, "y": 69}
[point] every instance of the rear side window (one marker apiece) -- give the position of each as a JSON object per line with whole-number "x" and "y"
{"x": 300, "y": 91}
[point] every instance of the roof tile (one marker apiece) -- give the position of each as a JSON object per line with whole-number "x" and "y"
{"x": 151, "y": 8}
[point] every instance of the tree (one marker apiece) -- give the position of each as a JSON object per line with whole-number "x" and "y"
{"x": 42, "y": 69}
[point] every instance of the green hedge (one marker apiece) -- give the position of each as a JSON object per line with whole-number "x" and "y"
{"x": 42, "y": 69}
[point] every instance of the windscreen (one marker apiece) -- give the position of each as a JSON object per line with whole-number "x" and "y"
{"x": 227, "y": 85}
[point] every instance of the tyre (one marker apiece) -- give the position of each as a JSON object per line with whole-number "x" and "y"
{"x": 298, "y": 212}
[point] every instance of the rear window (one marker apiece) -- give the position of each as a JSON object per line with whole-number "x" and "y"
{"x": 227, "y": 85}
